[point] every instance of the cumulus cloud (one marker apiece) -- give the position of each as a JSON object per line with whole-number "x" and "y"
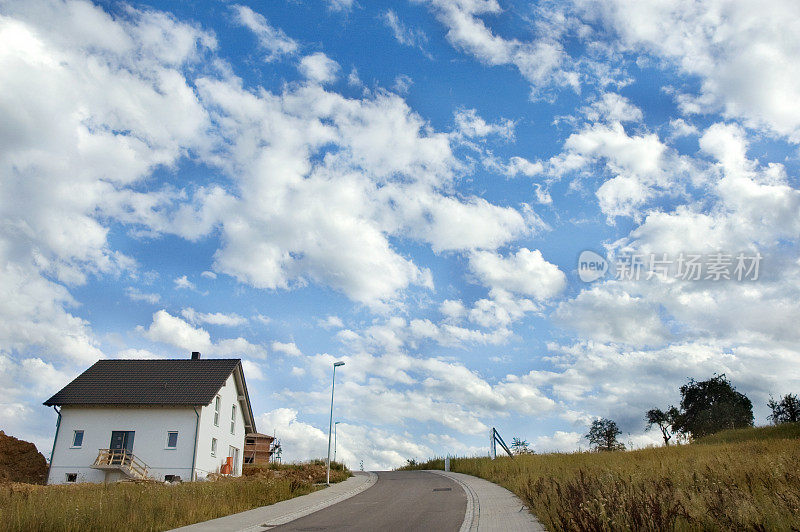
{"x": 287, "y": 348}
{"x": 470, "y": 125}
{"x": 526, "y": 272}
{"x": 608, "y": 315}
{"x": 319, "y": 68}
{"x": 542, "y": 61}
{"x": 743, "y": 55}
{"x": 612, "y": 107}
{"x": 172, "y": 330}
{"x": 356, "y": 444}
{"x": 641, "y": 167}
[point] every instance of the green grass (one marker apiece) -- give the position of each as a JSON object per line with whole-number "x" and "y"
{"x": 783, "y": 431}
{"x": 750, "y": 485}
{"x": 152, "y": 506}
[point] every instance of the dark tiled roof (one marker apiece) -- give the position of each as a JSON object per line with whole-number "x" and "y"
{"x": 147, "y": 382}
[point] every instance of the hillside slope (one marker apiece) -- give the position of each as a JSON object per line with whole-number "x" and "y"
{"x": 751, "y": 485}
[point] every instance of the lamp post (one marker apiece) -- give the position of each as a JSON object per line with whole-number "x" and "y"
{"x": 330, "y": 424}
{"x": 334, "y": 440}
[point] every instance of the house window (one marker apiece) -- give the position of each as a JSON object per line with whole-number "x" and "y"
{"x": 216, "y": 411}
{"x": 172, "y": 439}
{"x": 213, "y": 447}
{"x": 72, "y": 477}
{"x": 77, "y": 439}
{"x": 233, "y": 419}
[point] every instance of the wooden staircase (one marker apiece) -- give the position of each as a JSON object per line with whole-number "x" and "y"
{"x": 121, "y": 460}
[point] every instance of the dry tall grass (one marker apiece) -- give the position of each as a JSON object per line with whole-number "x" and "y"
{"x": 750, "y": 485}
{"x": 152, "y": 506}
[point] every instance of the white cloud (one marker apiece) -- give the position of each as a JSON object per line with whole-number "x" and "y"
{"x": 612, "y": 107}
{"x": 272, "y": 40}
{"x": 402, "y": 84}
{"x": 520, "y": 165}
{"x": 331, "y": 322}
{"x": 560, "y": 442}
{"x": 542, "y": 61}
{"x": 681, "y": 128}
{"x": 172, "y": 330}
{"x": 413, "y": 37}
{"x": 287, "y": 348}
{"x": 395, "y": 387}
{"x": 136, "y": 295}
{"x": 469, "y": 124}
{"x": 183, "y": 283}
{"x": 252, "y": 370}
{"x": 525, "y": 272}
{"x": 80, "y": 131}
{"x": 377, "y": 448}
{"x": 609, "y": 315}
{"x": 319, "y": 68}
{"x": 300, "y": 441}
{"x": 641, "y": 166}
{"x": 209, "y": 275}
{"x": 136, "y": 354}
{"x": 743, "y": 53}
{"x": 453, "y": 308}
{"x": 340, "y": 5}
{"x": 329, "y": 221}
{"x": 215, "y": 318}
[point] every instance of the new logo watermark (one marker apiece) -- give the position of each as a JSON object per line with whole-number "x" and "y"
{"x": 591, "y": 266}
{"x": 717, "y": 266}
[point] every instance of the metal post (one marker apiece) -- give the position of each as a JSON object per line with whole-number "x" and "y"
{"x": 334, "y": 440}
{"x": 330, "y": 424}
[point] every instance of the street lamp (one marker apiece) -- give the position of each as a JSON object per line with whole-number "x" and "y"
{"x": 330, "y": 424}
{"x": 334, "y": 440}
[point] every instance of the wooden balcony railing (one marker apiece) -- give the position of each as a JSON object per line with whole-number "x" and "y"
{"x": 122, "y": 460}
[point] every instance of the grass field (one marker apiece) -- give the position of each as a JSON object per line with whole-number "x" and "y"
{"x": 153, "y": 506}
{"x": 739, "y": 480}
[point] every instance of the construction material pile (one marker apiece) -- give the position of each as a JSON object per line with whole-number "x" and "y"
{"x": 20, "y": 461}
{"x": 311, "y": 472}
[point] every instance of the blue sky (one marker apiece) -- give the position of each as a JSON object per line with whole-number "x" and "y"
{"x": 405, "y": 187}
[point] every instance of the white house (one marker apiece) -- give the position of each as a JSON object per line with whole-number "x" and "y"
{"x": 160, "y": 419}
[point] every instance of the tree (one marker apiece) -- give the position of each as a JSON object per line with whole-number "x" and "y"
{"x": 711, "y": 406}
{"x": 520, "y": 446}
{"x": 787, "y": 410}
{"x": 665, "y": 421}
{"x": 603, "y": 435}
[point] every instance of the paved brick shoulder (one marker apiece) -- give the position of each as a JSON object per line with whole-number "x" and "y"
{"x": 492, "y": 508}
{"x": 266, "y": 517}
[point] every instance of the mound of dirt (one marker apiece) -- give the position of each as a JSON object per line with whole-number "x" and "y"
{"x": 20, "y": 461}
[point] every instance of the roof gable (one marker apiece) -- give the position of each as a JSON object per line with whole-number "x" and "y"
{"x": 148, "y": 382}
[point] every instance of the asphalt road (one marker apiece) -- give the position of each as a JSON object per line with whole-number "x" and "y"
{"x": 399, "y": 500}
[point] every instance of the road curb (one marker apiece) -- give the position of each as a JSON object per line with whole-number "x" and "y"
{"x": 492, "y": 508}
{"x": 280, "y": 513}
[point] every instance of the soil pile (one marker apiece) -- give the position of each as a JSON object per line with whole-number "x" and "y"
{"x": 20, "y": 461}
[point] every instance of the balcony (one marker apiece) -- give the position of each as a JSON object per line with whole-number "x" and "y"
{"x": 120, "y": 460}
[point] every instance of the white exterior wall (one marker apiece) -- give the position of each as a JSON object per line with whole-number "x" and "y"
{"x": 150, "y": 424}
{"x": 206, "y": 463}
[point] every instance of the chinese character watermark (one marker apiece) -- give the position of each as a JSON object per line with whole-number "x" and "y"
{"x": 716, "y": 266}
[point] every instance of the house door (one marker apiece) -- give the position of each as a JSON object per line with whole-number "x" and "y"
{"x": 121, "y": 440}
